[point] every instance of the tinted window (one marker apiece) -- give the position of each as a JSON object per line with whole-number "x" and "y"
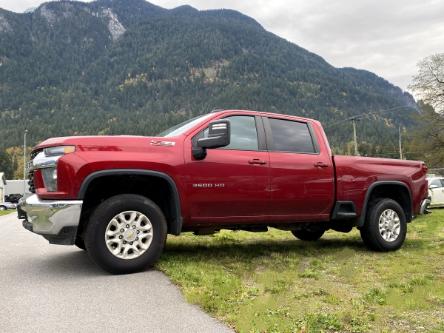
{"x": 243, "y": 133}
{"x": 290, "y": 136}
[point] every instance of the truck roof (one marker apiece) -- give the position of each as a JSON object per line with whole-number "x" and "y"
{"x": 263, "y": 113}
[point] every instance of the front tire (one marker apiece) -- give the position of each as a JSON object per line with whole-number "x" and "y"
{"x": 126, "y": 234}
{"x": 385, "y": 228}
{"x": 308, "y": 234}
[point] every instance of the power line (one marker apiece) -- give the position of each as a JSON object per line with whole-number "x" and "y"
{"x": 378, "y": 132}
{"x": 369, "y": 114}
{"x": 356, "y": 118}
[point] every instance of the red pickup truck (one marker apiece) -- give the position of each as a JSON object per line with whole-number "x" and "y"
{"x": 119, "y": 196}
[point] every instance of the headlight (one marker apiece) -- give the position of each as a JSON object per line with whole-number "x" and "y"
{"x": 59, "y": 150}
{"x": 46, "y": 161}
{"x": 50, "y": 179}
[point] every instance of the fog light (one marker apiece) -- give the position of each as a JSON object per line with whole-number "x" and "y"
{"x": 50, "y": 179}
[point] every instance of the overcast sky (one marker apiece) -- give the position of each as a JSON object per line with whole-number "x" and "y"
{"x": 386, "y": 37}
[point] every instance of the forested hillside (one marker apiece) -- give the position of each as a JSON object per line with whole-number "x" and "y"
{"x": 130, "y": 67}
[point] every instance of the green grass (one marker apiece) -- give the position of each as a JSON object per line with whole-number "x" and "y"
{"x": 271, "y": 282}
{"x": 6, "y": 212}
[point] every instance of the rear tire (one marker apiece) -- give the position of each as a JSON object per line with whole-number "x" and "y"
{"x": 126, "y": 234}
{"x": 2, "y": 208}
{"x": 385, "y": 227}
{"x": 308, "y": 234}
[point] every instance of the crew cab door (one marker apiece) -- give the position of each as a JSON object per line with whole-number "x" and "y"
{"x": 301, "y": 173}
{"x": 230, "y": 183}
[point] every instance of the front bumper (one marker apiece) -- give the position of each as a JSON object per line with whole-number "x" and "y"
{"x": 56, "y": 220}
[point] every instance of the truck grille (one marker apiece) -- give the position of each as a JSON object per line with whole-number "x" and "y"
{"x": 34, "y": 153}
{"x": 31, "y": 181}
{"x": 31, "y": 171}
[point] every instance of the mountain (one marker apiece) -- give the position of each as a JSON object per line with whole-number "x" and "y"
{"x": 131, "y": 67}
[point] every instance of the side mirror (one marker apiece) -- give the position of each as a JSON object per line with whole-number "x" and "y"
{"x": 432, "y": 187}
{"x": 218, "y": 136}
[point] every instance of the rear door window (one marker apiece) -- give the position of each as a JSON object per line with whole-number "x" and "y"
{"x": 290, "y": 136}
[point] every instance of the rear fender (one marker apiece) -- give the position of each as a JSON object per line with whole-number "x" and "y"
{"x": 401, "y": 186}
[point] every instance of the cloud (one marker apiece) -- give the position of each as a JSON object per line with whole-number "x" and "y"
{"x": 386, "y": 37}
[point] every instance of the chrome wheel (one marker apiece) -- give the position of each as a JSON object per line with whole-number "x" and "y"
{"x": 389, "y": 225}
{"x": 129, "y": 234}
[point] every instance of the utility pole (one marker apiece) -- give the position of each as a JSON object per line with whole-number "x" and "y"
{"x": 24, "y": 161}
{"x": 355, "y": 138}
{"x": 400, "y": 143}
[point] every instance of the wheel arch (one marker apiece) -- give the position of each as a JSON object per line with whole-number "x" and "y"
{"x": 395, "y": 190}
{"x": 168, "y": 201}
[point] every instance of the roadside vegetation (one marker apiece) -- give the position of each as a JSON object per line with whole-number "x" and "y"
{"x": 5, "y": 212}
{"x": 271, "y": 282}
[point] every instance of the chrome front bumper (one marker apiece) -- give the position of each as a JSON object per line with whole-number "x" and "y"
{"x": 56, "y": 220}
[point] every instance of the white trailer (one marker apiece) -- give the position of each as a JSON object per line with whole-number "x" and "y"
{"x": 16, "y": 187}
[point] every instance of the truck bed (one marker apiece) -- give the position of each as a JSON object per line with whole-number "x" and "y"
{"x": 355, "y": 174}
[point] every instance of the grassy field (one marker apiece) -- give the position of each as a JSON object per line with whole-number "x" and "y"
{"x": 271, "y": 282}
{"x": 5, "y": 212}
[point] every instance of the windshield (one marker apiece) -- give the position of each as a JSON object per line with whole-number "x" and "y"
{"x": 183, "y": 127}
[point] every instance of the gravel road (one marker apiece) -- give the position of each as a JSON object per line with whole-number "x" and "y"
{"x": 51, "y": 288}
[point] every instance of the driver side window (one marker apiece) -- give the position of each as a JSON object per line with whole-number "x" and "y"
{"x": 243, "y": 133}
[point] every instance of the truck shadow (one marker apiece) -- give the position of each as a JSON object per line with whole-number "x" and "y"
{"x": 259, "y": 247}
{"x": 76, "y": 263}
{"x": 267, "y": 247}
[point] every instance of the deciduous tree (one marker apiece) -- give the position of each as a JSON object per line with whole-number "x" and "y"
{"x": 428, "y": 84}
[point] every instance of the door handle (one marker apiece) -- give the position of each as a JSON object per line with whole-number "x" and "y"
{"x": 321, "y": 165}
{"x": 257, "y": 161}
